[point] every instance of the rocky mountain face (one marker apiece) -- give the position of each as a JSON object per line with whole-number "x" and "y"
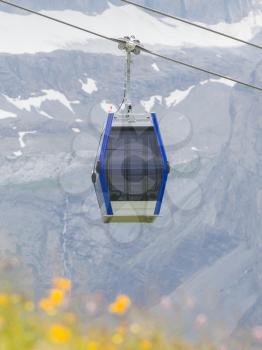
{"x": 207, "y": 244}
{"x": 212, "y": 11}
{"x": 228, "y": 11}
{"x": 49, "y": 218}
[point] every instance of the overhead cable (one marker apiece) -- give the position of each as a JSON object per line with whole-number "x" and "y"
{"x": 192, "y": 23}
{"x": 140, "y": 46}
{"x": 60, "y": 21}
{"x": 199, "y": 69}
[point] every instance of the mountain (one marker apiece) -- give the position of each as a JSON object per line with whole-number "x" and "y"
{"x": 79, "y": 5}
{"x": 165, "y": 34}
{"x": 228, "y": 11}
{"x": 53, "y": 105}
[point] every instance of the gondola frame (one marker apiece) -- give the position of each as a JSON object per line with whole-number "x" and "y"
{"x": 100, "y": 180}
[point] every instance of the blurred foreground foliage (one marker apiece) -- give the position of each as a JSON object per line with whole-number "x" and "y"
{"x": 54, "y": 322}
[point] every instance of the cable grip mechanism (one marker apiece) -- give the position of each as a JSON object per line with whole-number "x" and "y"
{"x": 132, "y": 46}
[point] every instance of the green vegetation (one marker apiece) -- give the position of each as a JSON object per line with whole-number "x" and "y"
{"x": 51, "y": 323}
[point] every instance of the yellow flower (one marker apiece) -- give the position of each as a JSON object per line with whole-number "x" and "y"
{"x": 59, "y": 334}
{"x": 117, "y": 339}
{"x": 46, "y": 305}
{"x": 4, "y": 299}
{"x": 120, "y": 305}
{"x": 56, "y": 296}
{"x": 145, "y": 345}
{"x": 62, "y": 283}
{"x": 92, "y": 345}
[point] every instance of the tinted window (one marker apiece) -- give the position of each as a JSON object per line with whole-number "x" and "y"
{"x": 133, "y": 164}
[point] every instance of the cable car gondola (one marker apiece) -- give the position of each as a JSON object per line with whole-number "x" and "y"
{"x": 131, "y": 169}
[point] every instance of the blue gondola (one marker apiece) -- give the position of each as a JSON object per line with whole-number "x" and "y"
{"x": 131, "y": 169}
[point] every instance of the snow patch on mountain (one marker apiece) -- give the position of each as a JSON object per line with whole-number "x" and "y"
{"x": 220, "y": 81}
{"x": 177, "y": 96}
{"x": 76, "y": 130}
{"x": 89, "y": 86}
{"x": 46, "y": 115}
{"x": 22, "y": 134}
{"x": 18, "y": 153}
{"x": 246, "y": 29}
{"x": 31, "y": 34}
{"x": 155, "y": 67}
{"x": 36, "y": 102}
{"x": 149, "y": 104}
{"x": 6, "y": 114}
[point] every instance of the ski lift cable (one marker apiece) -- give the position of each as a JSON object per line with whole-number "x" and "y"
{"x": 142, "y": 48}
{"x": 149, "y": 9}
{"x": 60, "y": 21}
{"x": 199, "y": 69}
